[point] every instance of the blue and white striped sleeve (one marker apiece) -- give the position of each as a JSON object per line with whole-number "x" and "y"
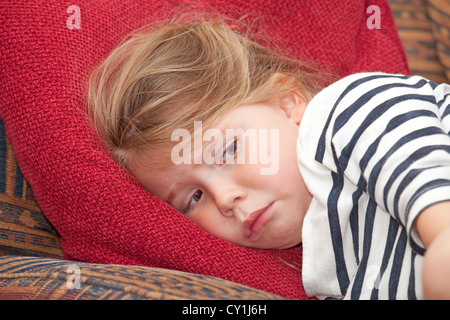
{"x": 389, "y": 135}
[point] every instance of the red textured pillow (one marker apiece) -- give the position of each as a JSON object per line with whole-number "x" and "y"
{"x": 101, "y": 213}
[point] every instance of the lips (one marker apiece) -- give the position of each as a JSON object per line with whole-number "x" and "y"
{"x": 256, "y": 221}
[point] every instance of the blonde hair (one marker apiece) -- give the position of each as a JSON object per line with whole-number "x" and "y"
{"x": 161, "y": 80}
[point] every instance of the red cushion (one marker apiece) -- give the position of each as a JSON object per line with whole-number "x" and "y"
{"x": 101, "y": 213}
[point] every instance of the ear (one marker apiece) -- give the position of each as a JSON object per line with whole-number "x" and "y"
{"x": 293, "y": 106}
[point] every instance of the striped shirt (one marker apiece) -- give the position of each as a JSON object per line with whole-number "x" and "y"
{"x": 374, "y": 151}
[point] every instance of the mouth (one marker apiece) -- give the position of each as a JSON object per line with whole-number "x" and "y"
{"x": 256, "y": 221}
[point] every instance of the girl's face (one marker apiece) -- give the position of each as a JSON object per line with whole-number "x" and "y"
{"x": 240, "y": 181}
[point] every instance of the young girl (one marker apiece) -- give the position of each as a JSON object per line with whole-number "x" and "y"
{"x": 363, "y": 180}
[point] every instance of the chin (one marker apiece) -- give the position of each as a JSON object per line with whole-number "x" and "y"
{"x": 271, "y": 245}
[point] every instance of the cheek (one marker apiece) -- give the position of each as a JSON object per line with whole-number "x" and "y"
{"x": 205, "y": 218}
{"x": 288, "y": 174}
{"x": 214, "y": 223}
{"x": 281, "y": 155}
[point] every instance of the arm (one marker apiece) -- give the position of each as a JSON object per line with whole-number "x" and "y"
{"x": 390, "y": 137}
{"x": 433, "y": 226}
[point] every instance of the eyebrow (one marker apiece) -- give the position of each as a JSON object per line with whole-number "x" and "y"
{"x": 173, "y": 187}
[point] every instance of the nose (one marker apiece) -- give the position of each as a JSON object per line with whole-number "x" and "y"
{"x": 228, "y": 198}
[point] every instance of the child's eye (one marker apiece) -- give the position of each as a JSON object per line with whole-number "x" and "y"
{"x": 193, "y": 200}
{"x": 231, "y": 150}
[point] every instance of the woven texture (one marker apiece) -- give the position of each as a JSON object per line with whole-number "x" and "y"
{"x": 439, "y": 12}
{"x": 34, "y": 278}
{"x": 424, "y": 29}
{"x": 24, "y": 230}
{"x": 100, "y": 212}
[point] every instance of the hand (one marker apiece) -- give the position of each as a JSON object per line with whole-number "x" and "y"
{"x": 433, "y": 226}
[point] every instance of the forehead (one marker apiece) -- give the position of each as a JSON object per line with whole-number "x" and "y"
{"x": 160, "y": 180}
